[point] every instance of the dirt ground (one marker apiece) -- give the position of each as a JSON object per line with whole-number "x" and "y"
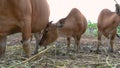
{"x": 59, "y": 58}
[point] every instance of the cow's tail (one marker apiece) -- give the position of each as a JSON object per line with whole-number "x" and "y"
{"x": 118, "y": 36}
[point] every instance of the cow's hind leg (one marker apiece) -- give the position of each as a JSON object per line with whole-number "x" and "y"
{"x": 2, "y": 46}
{"x": 111, "y": 43}
{"x": 68, "y": 44}
{"x": 77, "y": 42}
{"x": 99, "y": 41}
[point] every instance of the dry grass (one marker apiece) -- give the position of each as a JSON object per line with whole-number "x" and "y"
{"x": 58, "y": 58}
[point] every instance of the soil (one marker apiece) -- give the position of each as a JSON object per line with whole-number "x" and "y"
{"x": 58, "y": 57}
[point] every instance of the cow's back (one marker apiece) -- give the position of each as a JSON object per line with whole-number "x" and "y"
{"x": 75, "y": 23}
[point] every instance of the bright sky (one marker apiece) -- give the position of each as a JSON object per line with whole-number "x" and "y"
{"x": 90, "y": 8}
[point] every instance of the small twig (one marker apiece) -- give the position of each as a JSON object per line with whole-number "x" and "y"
{"x": 38, "y": 54}
{"x": 107, "y": 61}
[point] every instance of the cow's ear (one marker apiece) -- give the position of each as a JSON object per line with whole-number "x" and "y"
{"x": 61, "y": 23}
{"x": 49, "y": 24}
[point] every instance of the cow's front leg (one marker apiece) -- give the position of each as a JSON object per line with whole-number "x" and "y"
{"x": 2, "y": 45}
{"x": 26, "y": 35}
{"x": 37, "y": 37}
{"x": 22, "y": 12}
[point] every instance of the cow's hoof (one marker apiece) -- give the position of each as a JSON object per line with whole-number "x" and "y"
{"x": 97, "y": 51}
{"x": 110, "y": 51}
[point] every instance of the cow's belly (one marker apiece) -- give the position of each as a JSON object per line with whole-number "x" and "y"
{"x": 8, "y": 26}
{"x": 9, "y": 30}
{"x": 66, "y": 33}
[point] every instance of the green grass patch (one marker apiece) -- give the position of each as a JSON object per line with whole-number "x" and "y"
{"x": 91, "y": 29}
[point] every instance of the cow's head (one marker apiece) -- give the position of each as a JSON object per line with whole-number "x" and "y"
{"x": 50, "y": 33}
{"x": 117, "y": 9}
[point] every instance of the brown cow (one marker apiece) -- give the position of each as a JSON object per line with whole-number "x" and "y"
{"x": 48, "y": 35}
{"x": 107, "y": 25}
{"x": 24, "y": 16}
{"x": 75, "y": 25}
